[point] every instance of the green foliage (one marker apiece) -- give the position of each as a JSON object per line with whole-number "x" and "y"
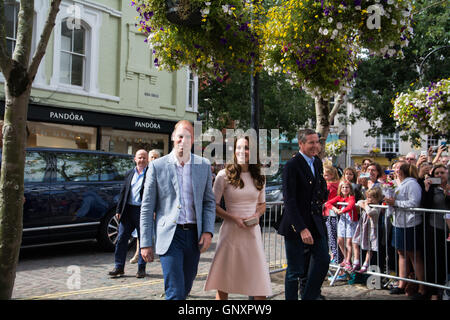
{"x": 379, "y": 81}
{"x": 282, "y": 107}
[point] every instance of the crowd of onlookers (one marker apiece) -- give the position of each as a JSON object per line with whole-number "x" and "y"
{"x": 392, "y": 236}
{"x": 377, "y": 227}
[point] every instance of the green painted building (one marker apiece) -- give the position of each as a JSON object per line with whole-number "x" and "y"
{"x": 97, "y": 86}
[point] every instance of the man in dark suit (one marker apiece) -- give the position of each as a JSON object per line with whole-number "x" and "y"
{"x": 302, "y": 224}
{"x": 128, "y": 214}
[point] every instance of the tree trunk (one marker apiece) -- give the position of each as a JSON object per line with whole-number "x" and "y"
{"x": 12, "y": 187}
{"x": 322, "y": 122}
{"x": 19, "y": 77}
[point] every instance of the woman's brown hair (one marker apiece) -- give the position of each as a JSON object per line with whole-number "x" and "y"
{"x": 409, "y": 170}
{"x": 233, "y": 172}
{"x": 353, "y": 171}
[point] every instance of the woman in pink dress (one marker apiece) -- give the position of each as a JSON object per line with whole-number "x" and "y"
{"x": 239, "y": 265}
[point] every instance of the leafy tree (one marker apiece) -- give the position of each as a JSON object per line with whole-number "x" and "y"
{"x": 379, "y": 80}
{"x": 19, "y": 74}
{"x": 282, "y": 107}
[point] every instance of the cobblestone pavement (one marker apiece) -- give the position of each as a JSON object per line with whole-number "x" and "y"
{"x": 79, "y": 272}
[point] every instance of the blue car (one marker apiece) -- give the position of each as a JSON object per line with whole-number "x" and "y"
{"x": 71, "y": 196}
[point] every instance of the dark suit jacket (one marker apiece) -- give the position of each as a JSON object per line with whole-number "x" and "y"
{"x": 304, "y": 195}
{"x": 126, "y": 191}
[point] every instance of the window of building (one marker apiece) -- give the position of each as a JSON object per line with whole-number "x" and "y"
{"x": 192, "y": 92}
{"x": 432, "y": 141}
{"x": 123, "y": 141}
{"x": 388, "y": 143}
{"x": 54, "y": 135}
{"x": 11, "y": 17}
{"x": 76, "y": 49}
{"x": 73, "y": 57}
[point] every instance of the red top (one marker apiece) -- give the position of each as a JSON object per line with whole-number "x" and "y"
{"x": 350, "y": 208}
{"x": 332, "y": 192}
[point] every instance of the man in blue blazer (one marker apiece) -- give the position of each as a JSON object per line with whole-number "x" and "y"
{"x": 127, "y": 213}
{"x": 302, "y": 224}
{"x": 178, "y": 188}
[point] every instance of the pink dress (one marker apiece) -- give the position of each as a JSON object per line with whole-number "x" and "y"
{"x": 239, "y": 264}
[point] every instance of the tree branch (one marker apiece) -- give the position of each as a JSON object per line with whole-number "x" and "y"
{"x": 45, "y": 36}
{"x": 5, "y": 60}
{"x": 22, "y": 50}
{"x": 339, "y": 101}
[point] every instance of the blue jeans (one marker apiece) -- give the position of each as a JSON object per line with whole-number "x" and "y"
{"x": 318, "y": 267}
{"x": 128, "y": 222}
{"x": 180, "y": 264}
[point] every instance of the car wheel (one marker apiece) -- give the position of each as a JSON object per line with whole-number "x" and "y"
{"x": 109, "y": 231}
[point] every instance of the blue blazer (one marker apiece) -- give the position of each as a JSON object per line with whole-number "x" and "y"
{"x": 162, "y": 195}
{"x": 304, "y": 195}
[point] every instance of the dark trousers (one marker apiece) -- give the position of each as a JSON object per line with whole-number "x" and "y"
{"x": 180, "y": 264}
{"x": 318, "y": 268}
{"x": 128, "y": 222}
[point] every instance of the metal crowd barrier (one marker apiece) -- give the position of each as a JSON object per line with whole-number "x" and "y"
{"x": 384, "y": 265}
{"x": 273, "y": 242}
{"x": 427, "y": 249}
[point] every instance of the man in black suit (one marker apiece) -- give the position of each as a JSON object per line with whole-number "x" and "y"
{"x": 302, "y": 224}
{"x": 128, "y": 214}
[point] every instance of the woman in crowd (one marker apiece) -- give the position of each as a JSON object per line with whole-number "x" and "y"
{"x": 407, "y": 231}
{"x": 436, "y": 196}
{"x": 239, "y": 264}
{"x": 330, "y": 174}
{"x": 375, "y": 173}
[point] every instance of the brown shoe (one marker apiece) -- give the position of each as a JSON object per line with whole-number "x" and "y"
{"x": 140, "y": 274}
{"x": 116, "y": 272}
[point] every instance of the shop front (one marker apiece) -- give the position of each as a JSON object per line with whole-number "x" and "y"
{"x": 56, "y": 127}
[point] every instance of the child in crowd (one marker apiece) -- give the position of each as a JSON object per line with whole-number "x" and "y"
{"x": 331, "y": 176}
{"x": 347, "y": 222}
{"x": 351, "y": 175}
{"x": 367, "y": 229}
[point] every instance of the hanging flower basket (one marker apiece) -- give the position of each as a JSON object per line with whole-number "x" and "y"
{"x": 181, "y": 12}
{"x": 425, "y": 110}
{"x": 374, "y": 152}
{"x": 335, "y": 148}
{"x": 318, "y": 43}
{"x": 211, "y": 37}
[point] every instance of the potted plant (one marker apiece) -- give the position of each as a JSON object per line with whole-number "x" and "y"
{"x": 374, "y": 151}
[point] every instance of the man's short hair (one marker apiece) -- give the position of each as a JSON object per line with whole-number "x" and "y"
{"x": 302, "y": 133}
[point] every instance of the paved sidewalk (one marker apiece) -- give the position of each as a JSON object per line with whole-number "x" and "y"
{"x": 79, "y": 272}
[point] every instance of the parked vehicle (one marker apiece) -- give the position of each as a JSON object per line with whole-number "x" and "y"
{"x": 71, "y": 196}
{"x": 274, "y": 193}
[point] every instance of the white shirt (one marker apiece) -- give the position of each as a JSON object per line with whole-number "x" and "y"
{"x": 184, "y": 177}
